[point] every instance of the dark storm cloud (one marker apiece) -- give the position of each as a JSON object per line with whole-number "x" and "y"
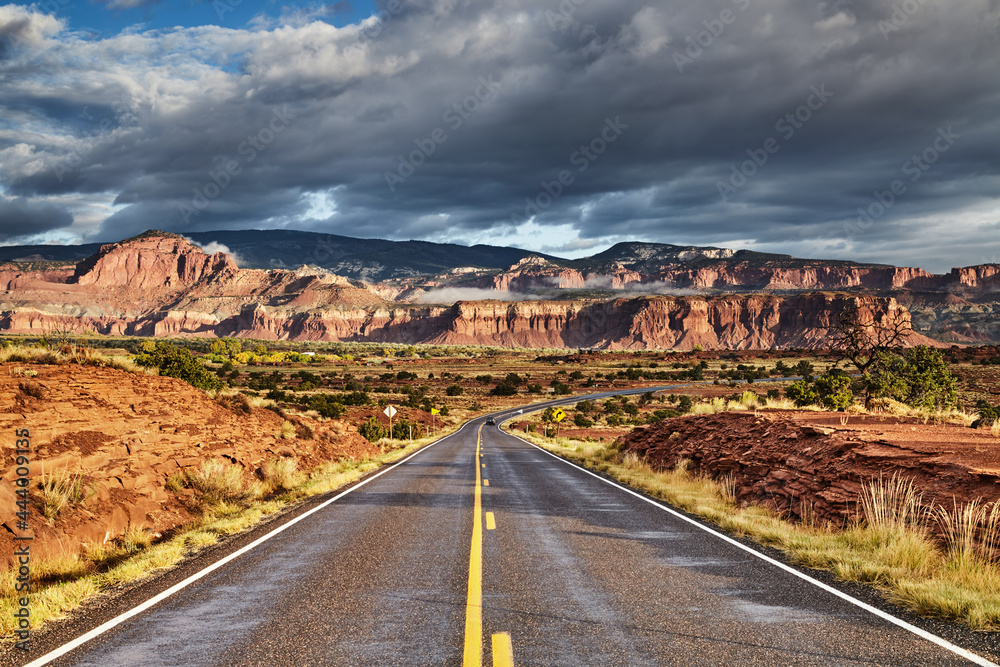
{"x": 765, "y": 122}
{"x": 19, "y": 218}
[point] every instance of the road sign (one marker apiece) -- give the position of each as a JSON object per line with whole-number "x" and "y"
{"x": 558, "y": 415}
{"x": 435, "y": 411}
{"x": 390, "y": 412}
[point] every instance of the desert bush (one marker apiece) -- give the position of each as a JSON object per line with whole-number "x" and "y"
{"x": 920, "y": 378}
{"x": 177, "y": 362}
{"x": 454, "y": 390}
{"x": 218, "y": 482}
{"x": 326, "y": 405}
{"x": 281, "y": 474}
{"x": 834, "y": 391}
{"x": 504, "y": 389}
{"x": 802, "y": 393}
{"x": 373, "y": 430}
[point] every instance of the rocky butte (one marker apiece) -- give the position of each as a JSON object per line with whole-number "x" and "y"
{"x": 639, "y": 296}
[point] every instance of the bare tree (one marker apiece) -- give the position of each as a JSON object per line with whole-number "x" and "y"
{"x": 862, "y": 338}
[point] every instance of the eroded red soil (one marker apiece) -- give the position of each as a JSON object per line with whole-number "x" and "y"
{"x": 799, "y": 462}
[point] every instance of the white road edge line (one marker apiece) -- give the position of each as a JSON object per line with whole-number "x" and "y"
{"x": 943, "y": 643}
{"x": 135, "y": 611}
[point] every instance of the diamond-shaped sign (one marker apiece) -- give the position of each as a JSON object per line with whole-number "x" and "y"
{"x": 390, "y": 412}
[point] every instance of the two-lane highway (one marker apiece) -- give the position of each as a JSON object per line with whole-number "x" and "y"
{"x": 483, "y": 547}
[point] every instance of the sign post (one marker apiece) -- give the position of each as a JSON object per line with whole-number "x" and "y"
{"x": 434, "y": 411}
{"x": 557, "y": 417}
{"x": 390, "y": 413}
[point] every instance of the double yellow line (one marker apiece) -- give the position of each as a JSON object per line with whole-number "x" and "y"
{"x": 501, "y": 643}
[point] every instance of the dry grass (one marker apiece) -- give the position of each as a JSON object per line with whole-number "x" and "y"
{"x": 780, "y": 404}
{"x": 70, "y": 354}
{"x": 59, "y": 489}
{"x": 281, "y": 474}
{"x": 286, "y": 432}
{"x": 710, "y": 407}
{"x": 995, "y": 428}
{"x": 218, "y": 482}
{"x": 891, "y": 548}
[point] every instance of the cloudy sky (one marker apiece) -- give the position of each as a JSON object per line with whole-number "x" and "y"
{"x": 856, "y": 129}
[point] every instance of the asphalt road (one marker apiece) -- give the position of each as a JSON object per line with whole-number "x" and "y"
{"x": 569, "y": 570}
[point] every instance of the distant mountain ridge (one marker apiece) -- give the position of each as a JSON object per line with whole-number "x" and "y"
{"x": 372, "y": 260}
{"x": 376, "y": 260}
{"x": 163, "y": 285}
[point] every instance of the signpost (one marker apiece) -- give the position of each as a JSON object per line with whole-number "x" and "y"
{"x": 557, "y": 416}
{"x": 434, "y": 411}
{"x": 390, "y": 412}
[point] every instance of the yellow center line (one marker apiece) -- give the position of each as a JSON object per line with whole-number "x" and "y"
{"x": 486, "y": 482}
{"x": 473, "y": 656}
{"x": 491, "y": 523}
{"x": 503, "y": 650}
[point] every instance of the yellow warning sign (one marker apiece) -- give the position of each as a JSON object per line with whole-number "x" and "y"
{"x": 558, "y": 415}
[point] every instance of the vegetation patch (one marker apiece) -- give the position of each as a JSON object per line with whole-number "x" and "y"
{"x": 893, "y": 546}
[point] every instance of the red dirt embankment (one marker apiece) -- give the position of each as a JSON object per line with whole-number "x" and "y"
{"x": 126, "y": 434}
{"x": 791, "y": 461}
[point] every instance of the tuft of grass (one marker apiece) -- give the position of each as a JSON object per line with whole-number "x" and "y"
{"x": 892, "y": 506}
{"x": 175, "y": 482}
{"x": 218, "y": 482}
{"x": 888, "y": 406}
{"x": 59, "y": 489}
{"x": 69, "y": 354}
{"x": 995, "y": 428}
{"x": 281, "y": 474}
{"x": 709, "y": 408}
{"x": 286, "y": 432}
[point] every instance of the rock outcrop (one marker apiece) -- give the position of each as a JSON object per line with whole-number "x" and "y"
{"x": 816, "y": 471}
{"x": 162, "y": 285}
{"x": 126, "y": 434}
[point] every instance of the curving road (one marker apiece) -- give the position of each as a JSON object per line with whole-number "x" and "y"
{"x": 485, "y": 548}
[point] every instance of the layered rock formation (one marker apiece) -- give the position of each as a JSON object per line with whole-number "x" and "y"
{"x": 162, "y": 285}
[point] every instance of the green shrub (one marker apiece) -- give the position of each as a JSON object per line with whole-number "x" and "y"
{"x": 920, "y": 378}
{"x": 504, "y": 389}
{"x": 802, "y": 393}
{"x": 177, "y": 362}
{"x": 373, "y": 430}
{"x": 834, "y": 391}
